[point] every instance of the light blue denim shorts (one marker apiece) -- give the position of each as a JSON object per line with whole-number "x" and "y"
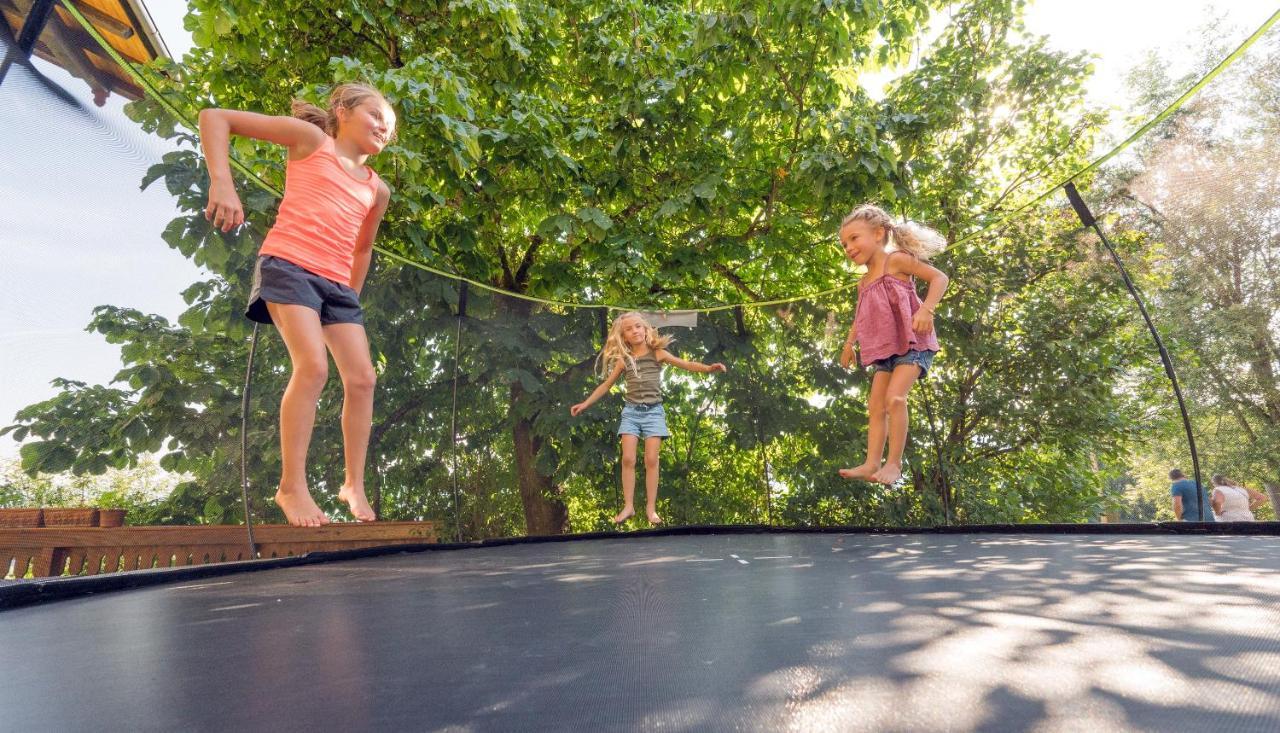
{"x": 922, "y": 359}
{"x": 644, "y": 421}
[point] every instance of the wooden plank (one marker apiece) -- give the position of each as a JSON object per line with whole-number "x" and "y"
{"x": 111, "y": 559}
{"x": 213, "y": 535}
{"x": 92, "y": 561}
{"x": 76, "y": 556}
{"x": 93, "y": 550}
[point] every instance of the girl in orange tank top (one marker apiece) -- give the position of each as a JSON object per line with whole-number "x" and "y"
{"x": 312, "y": 267}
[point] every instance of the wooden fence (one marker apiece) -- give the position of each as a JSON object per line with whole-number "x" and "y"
{"x": 51, "y": 551}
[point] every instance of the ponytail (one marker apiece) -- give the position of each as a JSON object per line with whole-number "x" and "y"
{"x": 911, "y": 237}
{"x": 917, "y": 239}
{"x": 325, "y": 120}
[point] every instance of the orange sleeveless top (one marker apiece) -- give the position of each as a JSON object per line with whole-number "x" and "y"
{"x": 321, "y": 214}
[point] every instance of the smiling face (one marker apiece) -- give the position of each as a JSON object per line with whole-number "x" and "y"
{"x": 634, "y": 332}
{"x": 369, "y": 125}
{"x": 861, "y": 240}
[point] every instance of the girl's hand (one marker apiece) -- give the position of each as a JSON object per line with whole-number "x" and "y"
{"x": 716, "y": 367}
{"x": 224, "y": 209}
{"x": 846, "y": 355}
{"x": 578, "y": 408}
{"x": 922, "y": 321}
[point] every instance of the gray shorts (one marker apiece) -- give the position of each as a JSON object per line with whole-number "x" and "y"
{"x": 282, "y": 282}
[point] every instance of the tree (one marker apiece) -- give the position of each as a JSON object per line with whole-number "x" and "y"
{"x": 1203, "y": 195}
{"x": 658, "y": 155}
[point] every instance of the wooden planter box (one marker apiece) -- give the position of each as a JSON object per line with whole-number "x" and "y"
{"x": 71, "y": 517}
{"x": 21, "y": 518}
{"x": 108, "y": 518}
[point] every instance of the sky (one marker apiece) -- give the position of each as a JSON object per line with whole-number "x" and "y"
{"x": 75, "y": 231}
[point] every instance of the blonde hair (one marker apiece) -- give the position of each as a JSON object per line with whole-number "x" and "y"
{"x": 616, "y": 349}
{"x": 343, "y": 96}
{"x": 913, "y": 238}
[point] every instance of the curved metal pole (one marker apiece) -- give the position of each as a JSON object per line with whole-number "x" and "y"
{"x": 1087, "y": 219}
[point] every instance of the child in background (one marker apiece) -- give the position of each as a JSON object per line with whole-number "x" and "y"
{"x": 635, "y": 347}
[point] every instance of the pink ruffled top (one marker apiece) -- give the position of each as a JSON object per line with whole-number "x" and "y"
{"x": 886, "y": 306}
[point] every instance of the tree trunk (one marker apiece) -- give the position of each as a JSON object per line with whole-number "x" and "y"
{"x": 544, "y": 509}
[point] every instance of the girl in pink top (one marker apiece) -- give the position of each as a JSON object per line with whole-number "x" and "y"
{"x": 312, "y": 266}
{"x": 892, "y": 327}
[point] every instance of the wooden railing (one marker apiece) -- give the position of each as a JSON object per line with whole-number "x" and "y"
{"x": 51, "y": 551}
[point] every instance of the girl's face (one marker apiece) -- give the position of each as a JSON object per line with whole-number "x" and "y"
{"x": 634, "y": 332}
{"x": 861, "y": 240}
{"x": 368, "y": 124}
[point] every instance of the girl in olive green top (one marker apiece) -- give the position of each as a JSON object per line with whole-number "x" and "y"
{"x": 638, "y": 349}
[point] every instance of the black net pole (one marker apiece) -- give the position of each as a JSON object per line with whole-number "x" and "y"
{"x": 244, "y": 441}
{"x": 453, "y": 414}
{"x": 602, "y": 324}
{"x": 943, "y": 475}
{"x": 1088, "y": 220}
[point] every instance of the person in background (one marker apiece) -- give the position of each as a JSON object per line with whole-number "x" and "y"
{"x": 1232, "y": 502}
{"x": 1186, "y": 505}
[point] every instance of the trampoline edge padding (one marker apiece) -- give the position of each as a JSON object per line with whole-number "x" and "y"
{"x": 19, "y": 593}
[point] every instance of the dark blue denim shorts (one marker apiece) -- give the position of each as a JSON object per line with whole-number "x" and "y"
{"x": 281, "y": 281}
{"x": 922, "y": 359}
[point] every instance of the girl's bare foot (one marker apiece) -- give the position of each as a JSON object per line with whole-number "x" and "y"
{"x": 359, "y": 503}
{"x": 888, "y": 474}
{"x": 299, "y": 508}
{"x": 654, "y": 518}
{"x": 624, "y": 515}
{"x": 863, "y": 472}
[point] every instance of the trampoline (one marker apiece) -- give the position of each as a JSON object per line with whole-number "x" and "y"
{"x": 710, "y": 629}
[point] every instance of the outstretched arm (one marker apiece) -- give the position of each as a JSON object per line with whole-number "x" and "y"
{"x": 666, "y": 357}
{"x": 216, "y": 128}
{"x": 599, "y": 391}
{"x": 905, "y": 264}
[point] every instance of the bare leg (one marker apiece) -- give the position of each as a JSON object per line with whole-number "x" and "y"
{"x": 652, "y": 446}
{"x": 877, "y": 427}
{"x": 904, "y": 376}
{"x": 300, "y": 328}
{"x": 350, "y": 348}
{"x": 629, "y": 443}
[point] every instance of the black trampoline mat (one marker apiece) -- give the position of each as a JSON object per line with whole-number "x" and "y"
{"x": 743, "y": 632}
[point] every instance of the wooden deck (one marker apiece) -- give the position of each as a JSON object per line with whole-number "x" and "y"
{"x": 52, "y": 551}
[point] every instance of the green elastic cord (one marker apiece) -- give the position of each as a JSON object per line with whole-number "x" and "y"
{"x": 152, "y": 91}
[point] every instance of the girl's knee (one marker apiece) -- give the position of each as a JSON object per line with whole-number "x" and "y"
{"x": 651, "y": 461}
{"x": 629, "y": 461}
{"x": 311, "y": 373}
{"x": 897, "y": 402}
{"x": 360, "y": 383}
